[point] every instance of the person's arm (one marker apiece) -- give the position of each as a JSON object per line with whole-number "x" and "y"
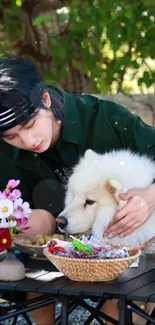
{"x": 132, "y": 131}
{"x": 40, "y": 222}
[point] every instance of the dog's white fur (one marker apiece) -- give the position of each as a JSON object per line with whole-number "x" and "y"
{"x": 101, "y": 178}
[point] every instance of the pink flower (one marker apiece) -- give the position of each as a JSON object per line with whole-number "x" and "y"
{"x": 22, "y": 207}
{"x": 13, "y": 183}
{"x": 22, "y": 222}
{"x": 2, "y": 195}
{"x": 14, "y": 212}
{"x": 18, "y": 214}
{"x": 10, "y": 196}
{"x": 16, "y": 194}
{"x": 21, "y": 230}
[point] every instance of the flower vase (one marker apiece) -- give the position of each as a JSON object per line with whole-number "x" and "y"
{"x": 11, "y": 269}
{"x": 3, "y": 255}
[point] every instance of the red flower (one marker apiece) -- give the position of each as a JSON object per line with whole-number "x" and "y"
{"x": 5, "y": 239}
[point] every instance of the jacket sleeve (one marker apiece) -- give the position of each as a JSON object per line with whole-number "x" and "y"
{"x": 144, "y": 137}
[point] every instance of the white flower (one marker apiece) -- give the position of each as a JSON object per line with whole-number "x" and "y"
{"x": 23, "y": 207}
{"x": 12, "y": 224}
{"x": 6, "y": 208}
{"x": 7, "y": 224}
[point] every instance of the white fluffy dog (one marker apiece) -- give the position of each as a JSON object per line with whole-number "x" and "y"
{"x": 92, "y": 197}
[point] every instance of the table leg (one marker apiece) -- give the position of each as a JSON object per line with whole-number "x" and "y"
{"x": 129, "y": 316}
{"x": 64, "y": 311}
{"x": 122, "y": 312}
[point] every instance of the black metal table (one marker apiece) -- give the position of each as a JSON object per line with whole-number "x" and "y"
{"x": 136, "y": 284}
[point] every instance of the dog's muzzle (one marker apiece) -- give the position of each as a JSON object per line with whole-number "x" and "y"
{"x": 61, "y": 222}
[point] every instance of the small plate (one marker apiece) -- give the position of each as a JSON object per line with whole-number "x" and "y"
{"x": 31, "y": 250}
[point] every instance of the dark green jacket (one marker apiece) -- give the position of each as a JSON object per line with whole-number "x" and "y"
{"x": 90, "y": 123}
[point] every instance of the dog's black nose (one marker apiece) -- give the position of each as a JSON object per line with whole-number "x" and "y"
{"x": 61, "y": 222}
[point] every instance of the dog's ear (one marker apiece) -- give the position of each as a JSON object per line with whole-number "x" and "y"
{"x": 89, "y": 153}
{"x": 115, "y": 188}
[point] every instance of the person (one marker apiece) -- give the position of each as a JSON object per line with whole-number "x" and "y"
{"x": 44, "y": 131}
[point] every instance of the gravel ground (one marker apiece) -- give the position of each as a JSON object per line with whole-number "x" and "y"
{"x": 78, "y": 317}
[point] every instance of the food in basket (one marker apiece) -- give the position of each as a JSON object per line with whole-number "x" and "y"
{"x": 87, "y": 248}
{"x": 41, "y": 240}
{"x": 34, "y": 245}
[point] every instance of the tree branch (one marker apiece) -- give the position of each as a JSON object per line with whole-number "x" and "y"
{"x": 124, "y": 70}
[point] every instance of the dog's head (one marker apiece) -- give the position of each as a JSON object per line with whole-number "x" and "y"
{"x": 90, "y": 196}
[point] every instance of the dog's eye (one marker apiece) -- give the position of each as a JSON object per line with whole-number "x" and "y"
{"x": 89, "y": 202}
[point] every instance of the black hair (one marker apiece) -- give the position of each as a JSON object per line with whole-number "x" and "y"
{"x": 21, "y": 93}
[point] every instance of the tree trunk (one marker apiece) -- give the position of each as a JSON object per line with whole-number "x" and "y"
{"x": 37, "y": 44}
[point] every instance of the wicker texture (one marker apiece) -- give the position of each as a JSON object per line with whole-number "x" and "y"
{"x": 92, "y": 270}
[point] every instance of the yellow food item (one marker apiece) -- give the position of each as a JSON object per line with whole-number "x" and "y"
{"x": 48, "y": 238}
{"x": 27, "y": 242}
{"x": 41, "y": 241}
{"x": 33, "y": 241}
{"x": 58, "y": 236}
{"x": 38, "y": 236}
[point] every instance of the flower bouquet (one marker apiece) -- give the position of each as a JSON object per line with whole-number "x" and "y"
{"x": 14, "y": 215}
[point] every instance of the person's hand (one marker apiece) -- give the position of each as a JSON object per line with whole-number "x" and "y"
{"x": 140, "y": 205}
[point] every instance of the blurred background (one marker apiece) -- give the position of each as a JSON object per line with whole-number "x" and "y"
{"x": 103, "y": 47}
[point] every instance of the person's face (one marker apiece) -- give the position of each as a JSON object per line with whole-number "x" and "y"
{"x": 38, "y": 134}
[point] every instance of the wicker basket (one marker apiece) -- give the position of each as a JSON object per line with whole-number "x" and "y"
{"x": 87, "y": 270}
